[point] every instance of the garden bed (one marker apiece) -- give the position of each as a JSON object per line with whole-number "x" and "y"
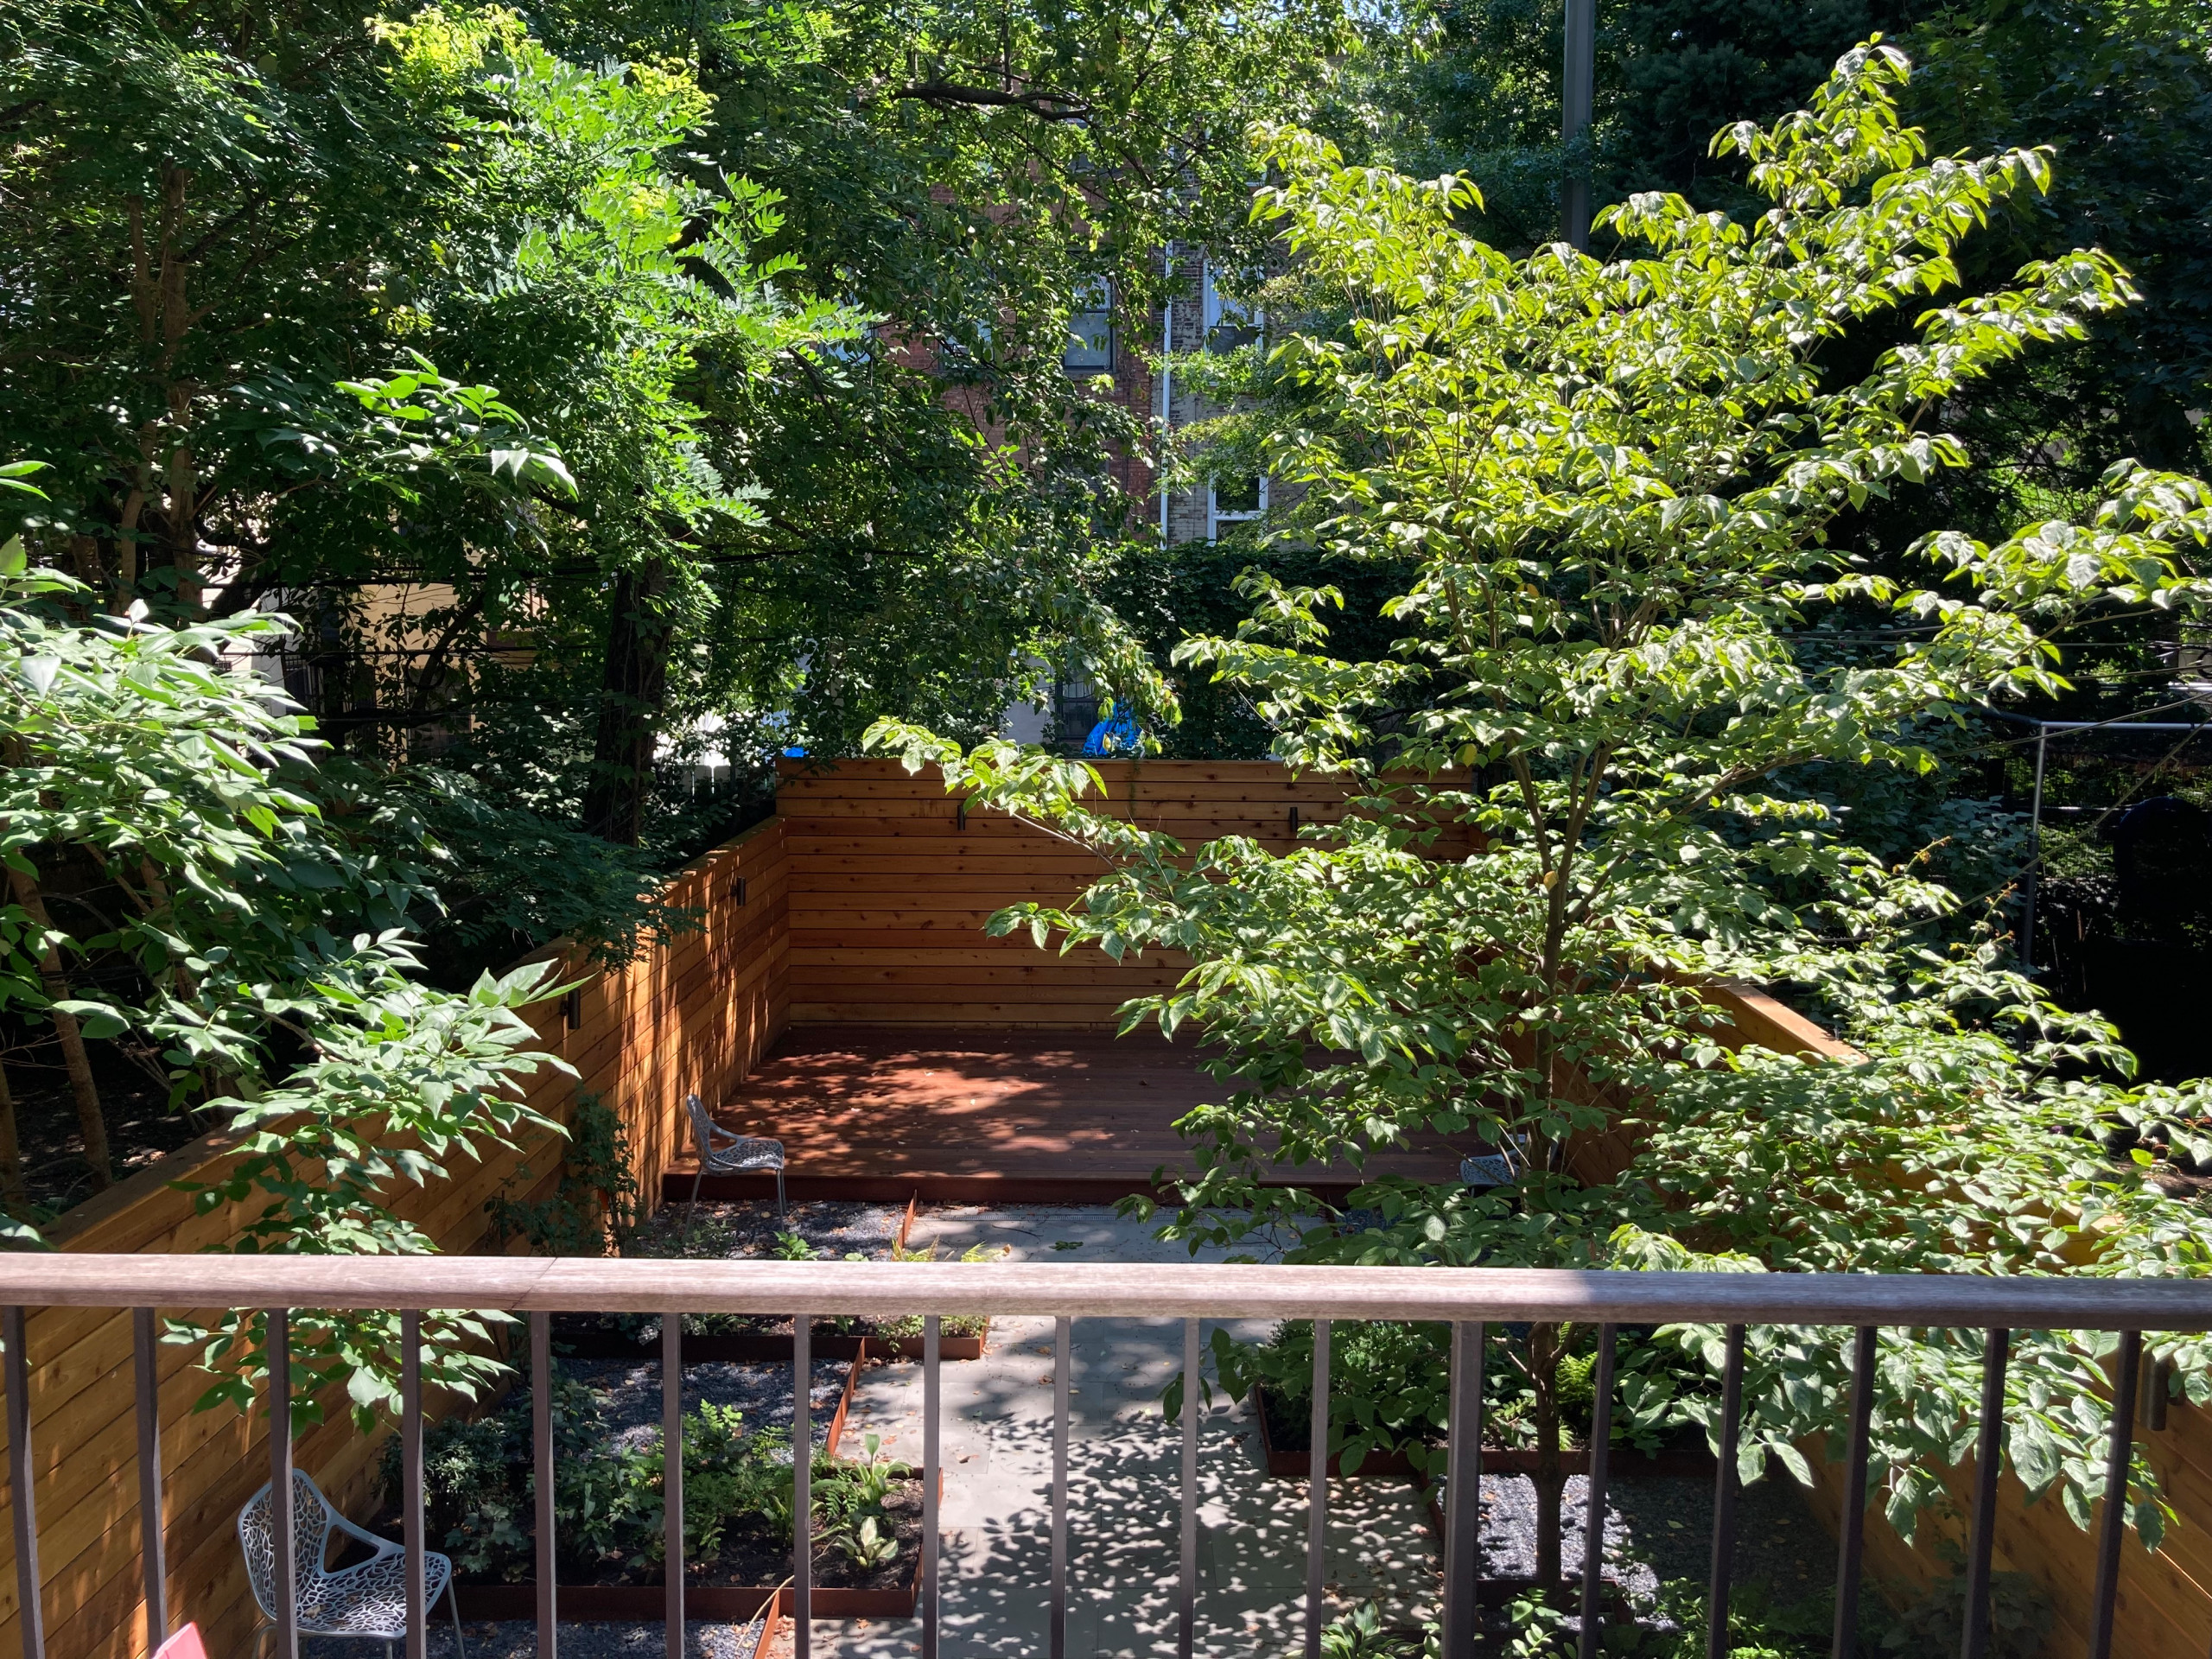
{"x": 1286, "y": 1448}
{"x": 737, "y": 1452}
{"x": 818, "y": 1229}
{"x": 750, "y": 1571}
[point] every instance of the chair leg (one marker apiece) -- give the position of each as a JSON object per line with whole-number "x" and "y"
{"x": 783, "y": 1210}
{"x": 460, "y": 1646}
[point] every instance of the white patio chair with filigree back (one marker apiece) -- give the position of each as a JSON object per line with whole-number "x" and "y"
{"x": 367, "y": 1599}
{"x": 725, "y": 1151}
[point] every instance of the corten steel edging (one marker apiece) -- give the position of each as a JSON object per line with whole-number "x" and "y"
{"x": 1103, "y": 1290}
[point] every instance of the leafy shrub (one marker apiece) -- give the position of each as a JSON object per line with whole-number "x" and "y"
{"x": 849, "y": 1505}
{"x": 2021, "y": 1617}
{"x": 598, "y": 1205}
{"x": 480, "y": 1490}
{"x": 1390, "y": 1386}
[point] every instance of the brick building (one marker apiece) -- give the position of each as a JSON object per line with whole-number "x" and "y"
{"x": 1103, "y": 339}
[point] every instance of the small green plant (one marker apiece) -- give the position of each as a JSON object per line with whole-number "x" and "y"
{"x": 480, "y": 1488}
{"x": 793, "y": 1247}
{"x": 908, "y": 1327}
{"x": 2020, "y": 1620}
{"x": 849, "y": 1505}
{"x": 597, "y": 1208}
{"x": 1759, "y": 1627}
{"x": 1360, "y": 1634}
{"x": 728, "y": 1475}
{"x": 1389, "y": 1387}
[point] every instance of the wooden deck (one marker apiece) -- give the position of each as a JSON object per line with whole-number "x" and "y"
{"x": 984, "y": 1116}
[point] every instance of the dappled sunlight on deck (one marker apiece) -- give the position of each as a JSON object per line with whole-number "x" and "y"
{"x": 883, "y": 1112}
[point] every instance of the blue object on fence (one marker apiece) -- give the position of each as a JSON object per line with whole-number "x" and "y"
{"x": 1116, "y": 735}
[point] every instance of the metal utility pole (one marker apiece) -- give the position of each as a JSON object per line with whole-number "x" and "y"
{"x": 1578, "y": 93}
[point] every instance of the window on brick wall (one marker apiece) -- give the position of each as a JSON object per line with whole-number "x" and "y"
{"x": 1090, "y": 330}
{"x": 1230, "y": 323}
{"x": 1233, "y": 501}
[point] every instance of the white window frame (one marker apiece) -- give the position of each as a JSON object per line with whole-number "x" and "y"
{"x": 1214, "y": 311}
{"x": 1099, "y": 289}
{"x": 1216, "y": 515}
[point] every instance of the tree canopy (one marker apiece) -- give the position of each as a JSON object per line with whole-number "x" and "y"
{"x": 1615, "y": 483}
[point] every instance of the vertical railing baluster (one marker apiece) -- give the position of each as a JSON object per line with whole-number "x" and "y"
{"x": 153, "y": 1551}
{"x": 1187, "y": 1594}
{"x": 1063, "y": 1368}
{"x": 1593, "y": 1524}
{"x": 1463, "y": 1494}
{"x": 931, "y": 1476}
{"x": 1316, "y": 1498}
{"x": 671, "y": 1463}
{"x": 1851, "y": 1544}
{"x": 412, "y": 1495}
{"x": 2156, "y": 1385}
{"x": 30, "y": 1602}
{"x": 1723, "y": 1496}
{"x": 541, "y": 1452}
{"x": 2117, "y": 1461}
{"x": 1996, "y": 1345}
{"x": 802, "y": 1487}
{"x": 286, "y": 1587}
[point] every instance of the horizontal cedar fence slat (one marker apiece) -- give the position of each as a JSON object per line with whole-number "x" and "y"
{"x": 1054, "y": 884}
{"x": 1028, "y": 1012}
{"x": 936, "y": 953}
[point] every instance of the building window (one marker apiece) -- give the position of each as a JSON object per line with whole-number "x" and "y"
{"x": 1075, "y": 708}
{"x": 1233, "y": 501}
{"x": 961, "y": 361}
{"x": 1090, "y": 331}
{"x": 1230, "y": 323}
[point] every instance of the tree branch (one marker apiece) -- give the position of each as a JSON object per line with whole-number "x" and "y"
{"x": 947, "y": 95}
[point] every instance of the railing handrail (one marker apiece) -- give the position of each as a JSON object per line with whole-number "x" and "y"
{"x": 1132, "y": 1290}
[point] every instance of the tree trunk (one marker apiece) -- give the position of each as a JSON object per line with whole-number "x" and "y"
{"x": 14, "y": 1192}
{"x": 638, "y": 633}
{"x": 86, "y": 552}
{"x": 89, "y": 1120}
{"x": 1544, "y": 1350}
{"x": 184, "y": 516}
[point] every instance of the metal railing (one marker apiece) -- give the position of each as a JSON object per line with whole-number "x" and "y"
{"x": 1466, "y": 1299}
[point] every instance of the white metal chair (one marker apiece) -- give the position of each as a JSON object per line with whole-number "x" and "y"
{"x": 367, "y": 1599}
{"x": 725, "y": 1151}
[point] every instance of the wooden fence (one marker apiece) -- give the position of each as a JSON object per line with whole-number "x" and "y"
{"x": 861, "y": 904}
{"x": 892, "y": 882}
{"x": 696, "y": 1015}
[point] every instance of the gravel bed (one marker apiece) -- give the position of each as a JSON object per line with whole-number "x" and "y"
{"x": 742, "y": 1230}
{"x": 516, "y": 1638}
{"x": 629, "y": 1393}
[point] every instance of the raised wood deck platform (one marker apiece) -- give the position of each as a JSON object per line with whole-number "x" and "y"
{"x": 984, "y": 1116}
